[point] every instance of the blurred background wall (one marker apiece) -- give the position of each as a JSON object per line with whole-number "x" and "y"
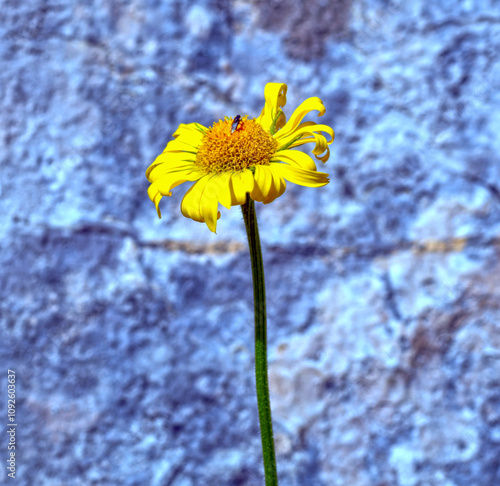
{"x": 132, "y": 337}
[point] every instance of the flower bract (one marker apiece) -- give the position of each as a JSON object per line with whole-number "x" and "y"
{"x": 240, "y": 155}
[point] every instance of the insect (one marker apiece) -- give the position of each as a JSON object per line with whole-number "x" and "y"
{"x": 235, "y": 123}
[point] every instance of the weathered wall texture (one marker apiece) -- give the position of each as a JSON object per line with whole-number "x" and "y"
{"x": 132, "y": 337}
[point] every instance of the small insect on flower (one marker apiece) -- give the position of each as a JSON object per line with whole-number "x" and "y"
{"x": 236, "y": 122}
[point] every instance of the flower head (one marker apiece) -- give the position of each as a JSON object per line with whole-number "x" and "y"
{"x": 239, "y": 155}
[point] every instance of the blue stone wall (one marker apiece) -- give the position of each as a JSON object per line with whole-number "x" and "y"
{"x": 132, "y": 337}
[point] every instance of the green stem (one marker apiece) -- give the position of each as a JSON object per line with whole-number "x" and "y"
{"x": 262, "y": 385}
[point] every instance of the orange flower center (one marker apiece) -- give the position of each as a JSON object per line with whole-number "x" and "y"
{"x": 223, "y": 151}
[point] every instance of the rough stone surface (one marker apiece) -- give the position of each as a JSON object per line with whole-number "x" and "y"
{"x": 132, "y": 338}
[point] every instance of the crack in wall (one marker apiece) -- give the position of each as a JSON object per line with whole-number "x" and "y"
{"x": 307, "y": 250}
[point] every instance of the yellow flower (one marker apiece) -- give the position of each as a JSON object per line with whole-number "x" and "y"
{"x": 239, "y": 155}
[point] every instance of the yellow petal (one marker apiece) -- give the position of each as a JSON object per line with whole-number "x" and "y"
{"x": 309, "y": 178}
{"x": 296, "y": 158}
{"x": 270, "y": 184}
{"x": 241, "y": 183}
{"x": 192, "y": 131}
{"x": 224, "y": 189}
{"x": 279, "y": 186}
{"x": 164, "y": 185}
{"x": 300, "y": 112}
{"x": 183, "y": 144}
{"x": 157, "y": 170}
{"x": 187, "y": 138}
{"x": 170, "y": 160}
{"x": 190, "y": 206}
{"x": 305, "y": 129}
{"x": 275, "y": 95}
{"x": 157, "y": 200}
{"x": 321, "y": 146}
{"x": 209, "y": 203}
{"x": 201, "y": 201}
{"x": 307, "y": 134}
{"x": 172, "y": 179}
{"x": 263, "y": 179}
